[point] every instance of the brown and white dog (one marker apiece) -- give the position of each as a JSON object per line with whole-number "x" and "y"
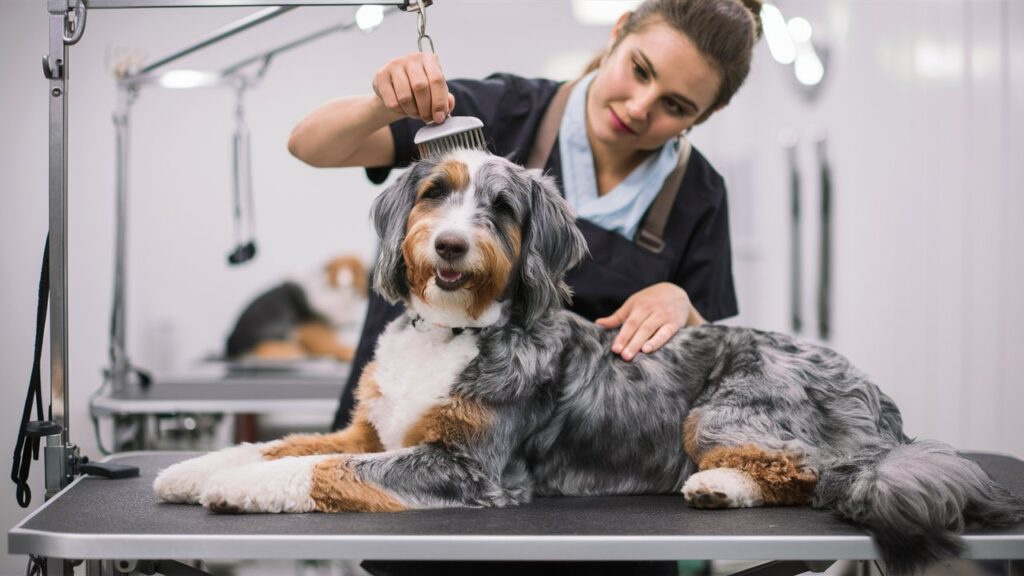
{"x": 300, "y": 318}
{"x": 487, "y": 392}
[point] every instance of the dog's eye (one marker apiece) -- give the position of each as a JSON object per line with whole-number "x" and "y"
{"x": 435, "y": 192}
{"x": 501, "y": 205}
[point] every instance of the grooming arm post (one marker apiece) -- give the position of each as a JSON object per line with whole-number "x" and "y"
{"x": 64, "y": 31}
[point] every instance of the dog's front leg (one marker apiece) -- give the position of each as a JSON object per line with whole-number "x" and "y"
{"x": 425, "y": 476}
{"x": 184, "y": 481}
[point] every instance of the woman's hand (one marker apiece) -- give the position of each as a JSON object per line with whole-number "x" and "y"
{"x": 649, "y": 318}
{"x": 414, "y": 86}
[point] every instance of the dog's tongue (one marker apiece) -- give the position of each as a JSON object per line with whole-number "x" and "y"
{"x": 449, "y": 275}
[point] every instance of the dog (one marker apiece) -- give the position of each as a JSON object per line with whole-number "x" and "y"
{"x": 297, "y": 319}
{"x": 487, "y": 392}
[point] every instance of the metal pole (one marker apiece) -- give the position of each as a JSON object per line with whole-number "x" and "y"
{"x": 57, "y": 64}
{"x": 218, "y": 35}
{"x": 133, "y": 4}
{"x": 119, "y": 364}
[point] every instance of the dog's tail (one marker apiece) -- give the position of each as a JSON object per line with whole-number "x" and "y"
{"x": 915, "y": 499}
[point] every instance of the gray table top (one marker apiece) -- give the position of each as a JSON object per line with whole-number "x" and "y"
{"x": 229, "y": 388}
{"x": 121, "y": 519}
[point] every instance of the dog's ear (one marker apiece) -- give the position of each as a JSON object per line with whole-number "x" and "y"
{"x": 390, "y": 213}
{"x": 552, "y": 245}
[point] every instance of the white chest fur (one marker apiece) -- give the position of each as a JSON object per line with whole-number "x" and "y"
{"x": 415, "y": 370}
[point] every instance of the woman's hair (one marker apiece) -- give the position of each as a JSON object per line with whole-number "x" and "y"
{"x": 724, "y": 31}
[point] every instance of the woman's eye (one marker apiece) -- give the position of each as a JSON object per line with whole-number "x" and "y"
{"x": 639, "y": 71}
{"x": 674, "y": 107}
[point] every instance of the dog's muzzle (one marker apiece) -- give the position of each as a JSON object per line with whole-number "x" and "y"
{"x": 451, "y": 248}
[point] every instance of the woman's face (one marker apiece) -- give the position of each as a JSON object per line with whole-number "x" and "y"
{"x": 654, "y": 85}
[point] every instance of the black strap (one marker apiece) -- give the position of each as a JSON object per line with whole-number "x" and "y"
{"x": 27, "y": 448}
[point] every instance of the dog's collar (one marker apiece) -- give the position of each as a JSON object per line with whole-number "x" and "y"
{"x": 419, "y": 323}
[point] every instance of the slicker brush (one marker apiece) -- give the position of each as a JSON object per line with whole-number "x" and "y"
{"x": 455, "y": 132}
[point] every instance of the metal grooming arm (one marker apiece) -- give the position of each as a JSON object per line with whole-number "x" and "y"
{"x": 67, "y": 19}
{"x": 129, "y": 86}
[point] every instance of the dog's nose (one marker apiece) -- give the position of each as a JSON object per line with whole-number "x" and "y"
{"x": 451, "y": 246}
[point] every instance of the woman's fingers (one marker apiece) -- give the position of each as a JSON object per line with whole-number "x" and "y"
{"x": 420, "y": 87}
{"x": 414, "y": 86}
{"x": 441, "y": 102}
{"x": 659, "y": 338}
{"x": 640, "y": 337}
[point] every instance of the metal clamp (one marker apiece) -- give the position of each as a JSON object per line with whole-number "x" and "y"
{"x": 422, "y": 27}
{"x": 73, "y": 27}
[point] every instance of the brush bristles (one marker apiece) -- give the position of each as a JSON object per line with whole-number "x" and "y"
{"x": 472, "y": 139}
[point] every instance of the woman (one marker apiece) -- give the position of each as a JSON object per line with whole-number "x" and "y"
{"x": 669, "y": 65}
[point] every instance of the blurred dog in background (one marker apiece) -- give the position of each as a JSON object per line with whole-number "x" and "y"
{"x": 300, "y": 318}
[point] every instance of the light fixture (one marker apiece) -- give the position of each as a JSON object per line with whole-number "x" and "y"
{"x": 780, "y": 44}
{"x": 369, "y": 16}
{"x": 185, "y": 79}
{"x": 799, "y": 29}
{"x": 808, "y": 68}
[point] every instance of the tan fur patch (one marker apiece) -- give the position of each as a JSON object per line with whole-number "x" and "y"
{"x": 781, "y": 476}
{"x": 450, "y": 173}
{"x": 488, "y": 282}
{"x": 336, "y": 488}
{"x": 419, "y": 269}
{"x": 319, "y": 339}
{"x": 359, "y": 437}
{"x": 690, "y": 426}
{"x": 455, "y": 422}
{"x": 354, "y": 265}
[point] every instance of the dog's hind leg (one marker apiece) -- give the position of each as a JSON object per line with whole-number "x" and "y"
{"x": 744, "y": 475}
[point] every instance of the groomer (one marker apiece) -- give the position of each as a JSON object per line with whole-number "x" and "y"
{"x": 653, "y": 210}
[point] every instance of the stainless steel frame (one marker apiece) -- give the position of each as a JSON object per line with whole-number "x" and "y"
{"x": 66, "y": 26}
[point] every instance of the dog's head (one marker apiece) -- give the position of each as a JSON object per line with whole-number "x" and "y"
{"x": 464, "y": 233}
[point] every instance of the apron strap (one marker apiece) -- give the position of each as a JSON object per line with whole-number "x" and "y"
{"x": 652, "y": 231}
{"x": 544, "y": 141}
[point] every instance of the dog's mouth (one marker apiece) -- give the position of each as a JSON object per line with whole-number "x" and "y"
{"x": 448, "y": 279}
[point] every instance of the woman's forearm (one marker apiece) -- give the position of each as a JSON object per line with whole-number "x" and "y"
{"x": 350, "y": 131}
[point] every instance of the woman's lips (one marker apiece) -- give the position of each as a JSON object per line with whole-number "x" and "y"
{"x": 619, "y": 124}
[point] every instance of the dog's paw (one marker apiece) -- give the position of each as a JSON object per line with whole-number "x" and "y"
{"x": 183, "y": 482}
{"x": 284, "y": 485}
{"x": 722, "y": 488}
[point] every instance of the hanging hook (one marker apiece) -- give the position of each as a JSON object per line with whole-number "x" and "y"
{"x": 422, "y": 28}
{"x": 74, "y": 27}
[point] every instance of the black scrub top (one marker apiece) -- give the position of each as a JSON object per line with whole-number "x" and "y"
{"x": 697, "y": 254}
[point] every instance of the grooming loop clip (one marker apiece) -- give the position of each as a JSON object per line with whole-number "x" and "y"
{"x": 421, "y": 27}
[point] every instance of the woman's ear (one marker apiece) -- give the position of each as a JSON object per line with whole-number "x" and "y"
{"x": 617, "y": 29}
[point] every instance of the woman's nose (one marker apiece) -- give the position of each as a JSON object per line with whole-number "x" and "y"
{"x": 639, "y": 107}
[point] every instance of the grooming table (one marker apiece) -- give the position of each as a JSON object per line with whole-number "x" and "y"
{"x": 246, "y": 388}
{"x": 95, "y": 518}
{"x": 222, "y": 387}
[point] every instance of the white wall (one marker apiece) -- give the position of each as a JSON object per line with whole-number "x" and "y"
{"x": 928, "y": 265}
{"x": 921, "y": 104}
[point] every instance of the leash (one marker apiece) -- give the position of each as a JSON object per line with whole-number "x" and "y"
{"x": 27, "y": 447}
